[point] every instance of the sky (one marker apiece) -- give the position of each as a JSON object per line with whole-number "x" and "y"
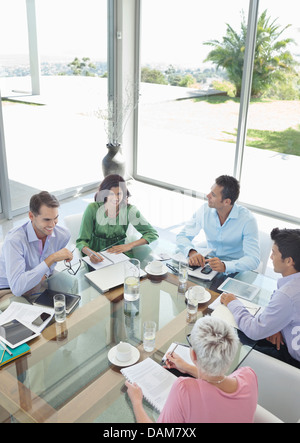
{"x": 172, "y": 30}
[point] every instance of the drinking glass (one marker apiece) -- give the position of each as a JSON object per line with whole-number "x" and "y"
{"x": 131, "y": 279}
{"x": 149, "y": 328}
{"x": 183, "y": 273}
{"x": 192, "y": 301}
{"x": 59, "y": 307}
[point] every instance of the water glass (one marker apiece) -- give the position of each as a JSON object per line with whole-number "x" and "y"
{"x": 131, "y": 279}
{"x": 183, "y": 273}
{"x": 192, "y": 301}
{"x": 59, "y": 307}
{"x": 149, "y": 330}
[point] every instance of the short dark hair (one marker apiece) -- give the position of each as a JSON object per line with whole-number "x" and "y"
{"x": 231, "y": 187}
{"x": 112, "y": 181}
{"x": 288, "y": 243}
{"x": 43, "y": 198}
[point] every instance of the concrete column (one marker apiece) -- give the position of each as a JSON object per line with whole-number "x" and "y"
{"x": 33, "y": 47}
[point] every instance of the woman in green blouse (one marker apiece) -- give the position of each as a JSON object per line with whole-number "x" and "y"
{"x": 105, "y": 222}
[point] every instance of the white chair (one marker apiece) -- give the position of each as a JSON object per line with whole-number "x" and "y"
{"x": 1, "y": 244}
{"x": 265, "y": 244}
{"x": 263, "y": 416}
{"x": 278, "y": 386}
{"x": 73, "y": 222}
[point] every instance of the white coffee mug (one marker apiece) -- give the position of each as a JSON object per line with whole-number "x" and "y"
{"x": 155, "y": 266}
{"x": 124, "y": 351}
{"x": 198, "y": 292}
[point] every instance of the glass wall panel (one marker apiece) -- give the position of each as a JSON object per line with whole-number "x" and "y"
{"x": 55, "y": 140}
{"x": 187, "y": 121}
{"x": 271, "y": 165}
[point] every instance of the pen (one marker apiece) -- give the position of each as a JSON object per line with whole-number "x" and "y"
{"x": 94, "y": 253}
{"x": 5, "y": 348}
{"x": 114, "y": 244}
{"x": 2, "y": 356}
{"x": 174, "y": 270}
{"x": 171, "y": 354}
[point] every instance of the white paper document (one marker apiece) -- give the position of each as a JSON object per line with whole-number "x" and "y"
{"x": 180, "y": 257}
{"x": 181, "y": 350}
{"x": 155, "y": 381}
{"x": 109, "y": 259}
{"x": 222, "y": 311}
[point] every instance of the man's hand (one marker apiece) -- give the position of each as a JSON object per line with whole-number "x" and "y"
{"x": 276, "y": 339}
{"x": 216, "y": 264}
{"x": 196, "y": 259}
{"x": 227, "y": 298}
{"x": 62, "y": 254}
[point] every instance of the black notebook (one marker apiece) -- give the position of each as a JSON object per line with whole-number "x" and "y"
{"x": 46, "y": 299}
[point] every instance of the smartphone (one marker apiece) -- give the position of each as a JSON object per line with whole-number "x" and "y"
{"x": 206, "y": 270}
{"x": 41, "y": 319}
{"x": 193, "y": 268}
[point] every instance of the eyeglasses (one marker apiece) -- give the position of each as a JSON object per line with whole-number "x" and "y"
{"x": 70, "y": 269}
{"x": 188, "y": 340}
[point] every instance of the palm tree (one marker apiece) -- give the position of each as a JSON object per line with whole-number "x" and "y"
{"x": 272, "y": 60}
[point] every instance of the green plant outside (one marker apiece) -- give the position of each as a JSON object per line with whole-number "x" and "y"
{"x": 285, "y": 142}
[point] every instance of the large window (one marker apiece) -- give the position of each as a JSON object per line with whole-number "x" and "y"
{"x": 192, "y": 56}
{"x": 54, "y": 140}
{"x": 184, "y": 117}
{"x": 272, "y": 155}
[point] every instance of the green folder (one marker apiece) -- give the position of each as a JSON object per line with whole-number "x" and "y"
{"x": 16, "y": 353}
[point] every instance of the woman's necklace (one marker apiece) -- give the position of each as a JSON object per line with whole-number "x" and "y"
{"x": 217, "y": 382}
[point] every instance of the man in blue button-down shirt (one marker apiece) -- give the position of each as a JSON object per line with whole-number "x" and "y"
{"x": 231, "y": 231}
{"x": 30, "y": 252}
{"x": 278, "y": 326}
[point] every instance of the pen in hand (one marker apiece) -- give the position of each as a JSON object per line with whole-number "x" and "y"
{"x": 171, "y": 354}
{"x": 98, "y": 256}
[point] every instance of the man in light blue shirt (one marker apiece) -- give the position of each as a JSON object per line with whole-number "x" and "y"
{"x": 30, "y": 252}
{"x": 231, "y": 231}
{"x": 278, "y": 326}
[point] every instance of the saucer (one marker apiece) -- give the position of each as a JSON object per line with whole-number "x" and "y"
{"x": 206, "y": 298}
{"x": 163, "y": 271}
{"x": 113, "y": 358}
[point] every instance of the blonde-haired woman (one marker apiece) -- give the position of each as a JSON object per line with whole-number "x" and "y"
{"x": 212, "y": 396}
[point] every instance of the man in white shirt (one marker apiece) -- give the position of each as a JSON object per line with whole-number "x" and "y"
{"x": 231, "y": 231}
{"x": 31, "y": 251}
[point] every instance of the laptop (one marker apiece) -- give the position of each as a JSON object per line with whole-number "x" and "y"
{"x": 109, "y": 277}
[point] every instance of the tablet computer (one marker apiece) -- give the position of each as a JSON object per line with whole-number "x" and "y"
{"x": 14, "y": 333}
{"x": 239, "y": 288}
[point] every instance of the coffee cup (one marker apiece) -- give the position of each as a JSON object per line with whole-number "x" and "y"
{"x": 156, "y": 267}
{"x": 198, "y": 292}
{"x": 124, "y": 351}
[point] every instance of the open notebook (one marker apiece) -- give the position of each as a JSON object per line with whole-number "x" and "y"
{"x": 109, "y": 259}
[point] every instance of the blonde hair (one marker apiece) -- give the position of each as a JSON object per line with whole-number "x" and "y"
{"x": 215, "y": 343}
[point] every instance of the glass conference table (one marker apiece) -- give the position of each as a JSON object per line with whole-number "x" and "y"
{"x": 67, "y": 376}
